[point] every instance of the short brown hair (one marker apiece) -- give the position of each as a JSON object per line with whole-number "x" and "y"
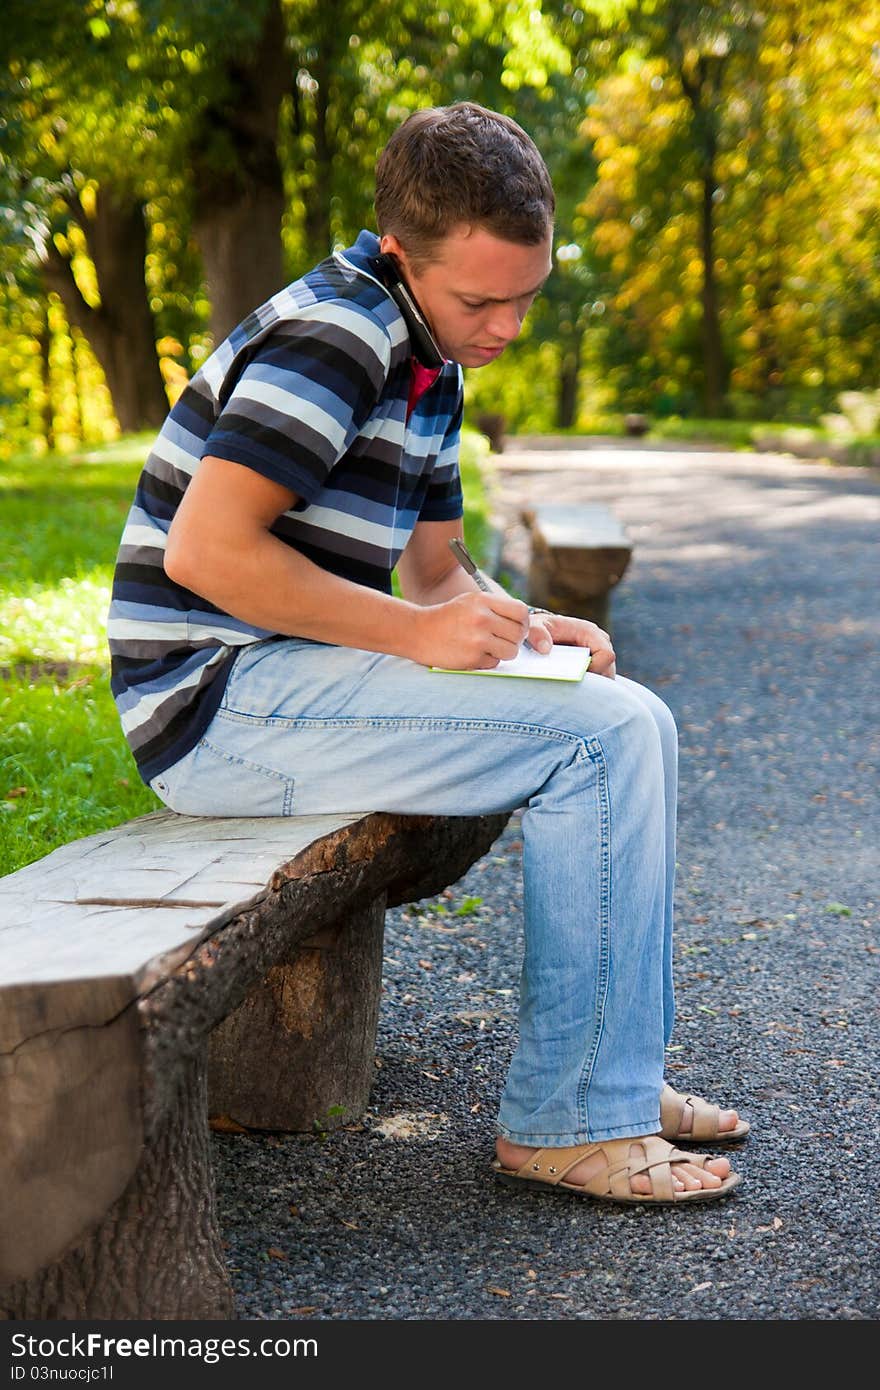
{"x": 451, "y": 165}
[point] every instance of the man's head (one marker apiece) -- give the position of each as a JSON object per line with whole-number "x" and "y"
{"x": 465, "y": 203}
{"x": 461, "y": 165}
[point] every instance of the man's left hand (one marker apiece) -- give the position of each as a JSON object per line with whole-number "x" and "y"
{"x": 574, "y": 632}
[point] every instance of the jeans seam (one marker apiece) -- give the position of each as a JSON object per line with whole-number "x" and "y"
{"x": 235, "y": 760}
{"x": 596, "y": 754}
{"x": 416, "y": 722}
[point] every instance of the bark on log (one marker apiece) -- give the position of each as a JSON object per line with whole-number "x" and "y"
{"x": 298, "y": 1054}
{"x": 157, "y": 1253}
{"x": 73, "y": 1135}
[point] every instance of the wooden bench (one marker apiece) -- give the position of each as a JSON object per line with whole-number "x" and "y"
{"x": 578, "y": 554}
{"x": 164, "y": 972}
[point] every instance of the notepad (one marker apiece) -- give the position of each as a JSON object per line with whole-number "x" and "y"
{"x": 559, "y": 664}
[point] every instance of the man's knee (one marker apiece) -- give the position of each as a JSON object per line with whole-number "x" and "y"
{"x": 657, "y": 708}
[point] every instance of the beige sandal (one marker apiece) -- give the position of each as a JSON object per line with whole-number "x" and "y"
{"x": 704, "y": 1124}
{"x": 624, "y": 1158}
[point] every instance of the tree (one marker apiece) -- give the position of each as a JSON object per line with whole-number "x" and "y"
{"x": 735, "y": 204}
{"x": 120, "y": 325}
{"x": 72, "y": 219}
{"x": 698, "y": 50}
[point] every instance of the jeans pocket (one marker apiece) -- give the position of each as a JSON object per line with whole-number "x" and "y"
{"x": 245, "y": 658}
{"x": 211, "y": 782}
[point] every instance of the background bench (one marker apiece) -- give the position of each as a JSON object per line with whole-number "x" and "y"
{"x": 167, "y": 970}
{"x": 578, "y": 554}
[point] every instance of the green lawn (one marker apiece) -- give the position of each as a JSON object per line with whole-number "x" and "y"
{"x": 65, "y": 769}
{"x": 807, "y": 441}
{"x": 859, "y": 451}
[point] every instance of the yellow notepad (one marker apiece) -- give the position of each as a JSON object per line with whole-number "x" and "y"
{"x": 559, "y": 664}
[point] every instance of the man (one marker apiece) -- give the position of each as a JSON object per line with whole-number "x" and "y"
{"x": 262, "y": 666}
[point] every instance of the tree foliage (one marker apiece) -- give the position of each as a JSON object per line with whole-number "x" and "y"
{"x": 763, "y": 124}
{"x": 165, "y": 164}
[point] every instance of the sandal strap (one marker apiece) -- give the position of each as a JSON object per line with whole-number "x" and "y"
{"x": 622, "y": 1162}
{"x": 551, "y": 1165}
{"x": 704, "y": 1123}
{"x": 624, "y": 1166}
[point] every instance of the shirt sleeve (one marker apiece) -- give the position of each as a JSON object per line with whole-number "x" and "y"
{"x": 304, "y": 395}
{"x": 443, "y": 497}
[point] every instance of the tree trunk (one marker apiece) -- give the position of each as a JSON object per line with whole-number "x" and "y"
{"x": 568, "y": 384}
{"x": 238, "y": 187}
{"x": 317, "y": 219}
{"x": 702, "y": 87}
{"x": 48, "y": 410}
{"x": 77, "y": 344}
{"x": 715, "y": 367}
{"x": 120, "y": 331}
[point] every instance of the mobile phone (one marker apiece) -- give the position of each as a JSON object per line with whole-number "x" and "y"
{"x": 423, "y": 342}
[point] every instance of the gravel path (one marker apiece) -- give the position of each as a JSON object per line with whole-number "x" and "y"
{"x": 751, "y": 606}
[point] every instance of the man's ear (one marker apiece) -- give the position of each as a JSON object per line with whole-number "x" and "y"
{"x": 392, "y": 247}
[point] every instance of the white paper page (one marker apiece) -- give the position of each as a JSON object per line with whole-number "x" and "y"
{"x": 559, "y": 664}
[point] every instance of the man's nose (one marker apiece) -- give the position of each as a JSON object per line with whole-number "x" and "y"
{"x": 504, "y": 322}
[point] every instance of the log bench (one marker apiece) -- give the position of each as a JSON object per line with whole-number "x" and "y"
{"x": 162, "y": 973}
{"x": 578, "y": 554}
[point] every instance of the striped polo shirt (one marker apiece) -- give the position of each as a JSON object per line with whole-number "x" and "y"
{"x": 312, "y": 390}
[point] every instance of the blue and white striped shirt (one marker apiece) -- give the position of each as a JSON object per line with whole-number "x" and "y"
{"x": 311, "y": 391}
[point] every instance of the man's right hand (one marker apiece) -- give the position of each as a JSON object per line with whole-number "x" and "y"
{"x": 473, "y": 631}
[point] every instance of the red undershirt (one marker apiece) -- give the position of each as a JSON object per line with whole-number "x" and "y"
{"x": 421, "y": 379}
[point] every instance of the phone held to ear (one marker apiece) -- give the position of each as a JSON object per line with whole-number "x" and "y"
{"x": 424, "y": 345}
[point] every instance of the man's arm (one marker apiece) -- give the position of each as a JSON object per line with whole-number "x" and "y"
{"x": 220, "y": 546}
{"x": 428, "y": 571}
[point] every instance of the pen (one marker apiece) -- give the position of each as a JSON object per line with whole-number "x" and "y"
{"x": 466, "y": 560}
{"x": 468, "y": 564}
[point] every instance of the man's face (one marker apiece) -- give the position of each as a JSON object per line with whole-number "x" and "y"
{"x": 476, "y": 290}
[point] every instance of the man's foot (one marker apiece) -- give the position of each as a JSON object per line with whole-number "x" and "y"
{"x": 686, "y": 1176}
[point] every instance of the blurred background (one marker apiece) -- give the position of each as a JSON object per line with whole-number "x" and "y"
{"x": 165, "y": 165}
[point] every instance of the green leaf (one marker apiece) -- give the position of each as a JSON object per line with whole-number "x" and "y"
{"x": 467, "y": 906}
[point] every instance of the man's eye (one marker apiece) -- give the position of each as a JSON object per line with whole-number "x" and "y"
{"x": 481, "y": 304}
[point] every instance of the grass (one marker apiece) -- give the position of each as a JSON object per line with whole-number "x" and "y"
{"x": 806, "y": 441}
{"x": 65, "y": 768}
{"x": 735, "y": 434}
{"x": 809, "y": 441}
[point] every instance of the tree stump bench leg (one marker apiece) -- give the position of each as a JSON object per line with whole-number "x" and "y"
{"x": 299, "y": 1053}
{"x": 578, "y": 555}
{"x": 157, "y": 1254}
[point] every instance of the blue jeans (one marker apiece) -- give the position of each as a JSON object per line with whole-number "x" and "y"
{"x": 307, "y": 728}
